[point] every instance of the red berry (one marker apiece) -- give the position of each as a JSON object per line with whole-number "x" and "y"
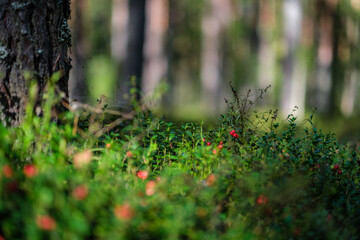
{"x": 46, "y": 223}
{"x": 124, "y": 211}
{"x": 336, "y": 166}
{"x": 30, "y": 170}
{"x": 150, "y": 188}
{"x": 262, "y": 200}
{"x": 80, "y": 192}
{"x": 221, "y": 143}
{"x": 339, "y": 172}
{"x": 7, "y": 171}
{"x": 108, "y": 145}
{"x": 208, "y": 143}
{"x": 204, "y": 140}
{"x": 142, "y": 174}
{"x": 232, "y": 132}
{"x": 220, "y": 146}
{"x": 214, "y": 151}
{"x": 210, "y": 180}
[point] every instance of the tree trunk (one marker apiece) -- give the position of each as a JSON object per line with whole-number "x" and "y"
{"x": 155, "y": 59}
{"x": 214, "y": 22}
{"x": 134, "y": 57}
{"x": 77, "y": 83}
{"x": 119, "y": 30}
{"x": 294, "y": 84}
{"x": 267, "y": 47}
{"x": 34, "y": 37}
{"x": 337, "y": 66}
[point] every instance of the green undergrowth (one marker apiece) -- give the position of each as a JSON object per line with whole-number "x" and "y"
{"x": 143, "y": 177}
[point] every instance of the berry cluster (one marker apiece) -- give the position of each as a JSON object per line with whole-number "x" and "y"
{"x": 336, "y": 167}
{"x": 234, "y": 134}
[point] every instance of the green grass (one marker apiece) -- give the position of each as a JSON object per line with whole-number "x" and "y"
{"x": 150, "y": 178}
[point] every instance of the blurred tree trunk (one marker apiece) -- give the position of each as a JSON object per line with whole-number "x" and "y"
{"x": 119, "y": 30}
{"x": 34, "y": 37}
{"x": 267, "y": 45}
{"x": 337, "y": 65}
{"x": 216, "y": 17}
{"x": 349, "y": 93}
{"x": 294, "y": 84}
{"x": 168, "y": 99}
{"x": 352, "y": 79}
{"x": 77, "y": 82}
{"x": 320, "y": 87}
{"x": 155, "y": 59}
{"x": 119, "y": 38}
{"x": 133, "y": 64}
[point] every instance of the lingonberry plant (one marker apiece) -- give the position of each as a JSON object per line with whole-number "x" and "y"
{"x": 252, "y": 176}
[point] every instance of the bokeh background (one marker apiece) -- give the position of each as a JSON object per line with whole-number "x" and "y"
{"x": 307, "y": 50}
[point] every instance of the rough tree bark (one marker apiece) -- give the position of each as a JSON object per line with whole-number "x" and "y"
{"x": 34, "y": 37}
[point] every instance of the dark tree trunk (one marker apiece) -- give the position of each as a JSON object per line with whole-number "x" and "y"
{"x": 134, "y": 57}
{"x": 337, "y": 68}
{"x": 34, "y": 37}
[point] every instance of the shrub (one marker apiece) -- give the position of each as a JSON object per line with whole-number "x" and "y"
{"x": 149, "y": 178}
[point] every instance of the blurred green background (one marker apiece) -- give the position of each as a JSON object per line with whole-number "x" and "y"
{"x": 307, "y": 50}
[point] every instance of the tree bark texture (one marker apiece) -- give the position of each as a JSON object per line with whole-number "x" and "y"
{"x": 34, "y": 37}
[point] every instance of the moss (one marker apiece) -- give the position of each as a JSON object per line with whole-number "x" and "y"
{"x": 65, "y": 34}
{"x": 3, "y": 52}
{"x": 18, "y": 6}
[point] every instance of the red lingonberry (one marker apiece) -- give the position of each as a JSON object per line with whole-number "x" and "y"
{"x": 232, "y": 132}
{"x": 150, "y": 188}
{"x": 336, "y": 166}
{"x": 129, "y": 154}
{"x": 7, "y": 171}
{"x": 30, "y": 170}
{"x": 46, "y": 223}
{"x": 220, "y": 146}
{"x": 208, "y": 143}
{"x": 214, "y": 151}
{"x": 80, "y": 192}
{"x": 210, "y": 180}
{"x": 204, "y": 140}
{"x": 124, "y": 211}
{"x": 142, "y": 174}
{"x": 108, "y": 145}
{"x": 262, "y": 200}
{"x": 339, "y": 172}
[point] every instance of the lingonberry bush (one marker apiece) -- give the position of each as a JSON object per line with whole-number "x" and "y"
{"x": 252, "y": 176}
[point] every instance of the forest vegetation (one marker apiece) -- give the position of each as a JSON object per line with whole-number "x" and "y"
{"x": 182, "y": 119}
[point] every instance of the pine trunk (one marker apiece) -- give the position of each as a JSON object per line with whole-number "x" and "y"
{"x": 34, "y": 37}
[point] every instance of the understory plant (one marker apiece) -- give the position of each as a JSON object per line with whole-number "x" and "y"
{"x": 251, "y": 176}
